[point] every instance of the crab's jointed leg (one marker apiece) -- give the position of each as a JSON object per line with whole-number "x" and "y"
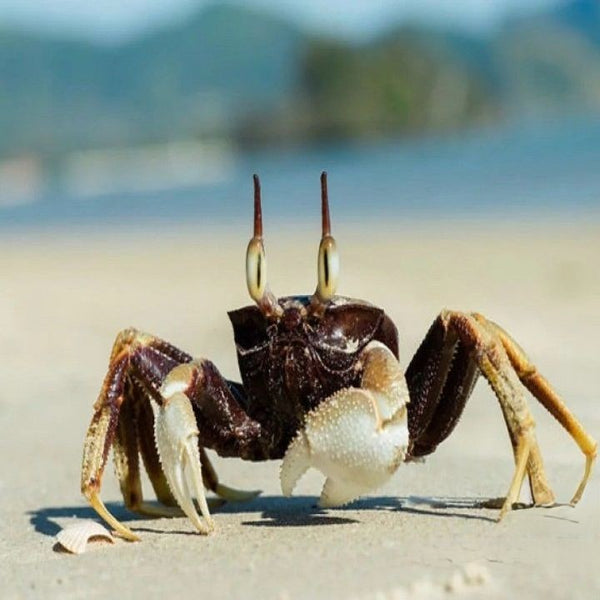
{"x": 441, "y": 376}
{"x": 539, "y": 386}
{"x": 188, "y": 397}
{"x": 357, "y": 437}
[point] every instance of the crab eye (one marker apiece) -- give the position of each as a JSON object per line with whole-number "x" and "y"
{"x": 256, "y": 269}
{"x": 329, "y": 268}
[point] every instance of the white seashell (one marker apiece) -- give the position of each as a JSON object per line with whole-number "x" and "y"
{"x": 74, "y": 538}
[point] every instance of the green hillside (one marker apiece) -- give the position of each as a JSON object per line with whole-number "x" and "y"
{"x": 228, "y": 72}
{"x": 193, "y": 79}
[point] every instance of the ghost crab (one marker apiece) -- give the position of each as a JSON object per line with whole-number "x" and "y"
{"x": 322, "y": 387}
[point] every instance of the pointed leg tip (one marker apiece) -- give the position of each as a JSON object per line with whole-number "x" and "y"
{"x": 589, "y": 465}
{"x": 203, "y": 526}
{"x": 233, "y": 495}
{"x": 506, "y": 508}
{"x": 127, "y": 534}
{"x": 209, "y": 528}
{"x": 119, "y": 529}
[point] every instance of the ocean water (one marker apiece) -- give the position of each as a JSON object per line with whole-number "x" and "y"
{"x": 530, "y": 171}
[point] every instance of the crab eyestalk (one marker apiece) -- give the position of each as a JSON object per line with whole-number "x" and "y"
{"x": 328, "y": 262}
{"x": 256, "y": 262}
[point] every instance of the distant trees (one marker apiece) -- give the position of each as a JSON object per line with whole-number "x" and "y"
{"x": 393, "y": 86}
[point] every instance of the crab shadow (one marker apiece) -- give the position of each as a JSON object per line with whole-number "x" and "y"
{"x": 301, "y": 511}
{"x": 277, "y": 511}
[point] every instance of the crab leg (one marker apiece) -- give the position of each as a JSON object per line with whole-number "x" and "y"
{"x": 519, "y": 419}
{"x": 99, "y": 439}
{"x": 211, "y": 482}
{"x": 119, "y": 405}
{"x": 545, "y": 394}
{"x": 139, "y": 368}
{"x": 439, "y": 390}
{"x": 357, "y": 437}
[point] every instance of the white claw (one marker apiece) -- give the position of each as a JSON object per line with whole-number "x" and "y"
{"x": 337, "y": 492}
{"x": 347, "y": 440}
{"x": 176, "y": 436}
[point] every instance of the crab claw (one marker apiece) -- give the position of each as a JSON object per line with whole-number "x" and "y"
{"x": 347, "y": 440}
{"x": 176, "y": 435}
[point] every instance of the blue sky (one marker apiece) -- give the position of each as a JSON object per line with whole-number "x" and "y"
{"x": 109, "y": 20}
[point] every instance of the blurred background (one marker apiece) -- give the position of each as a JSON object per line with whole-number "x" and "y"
{"x": 160, "y": 111}
{"x": 462, "y": 142}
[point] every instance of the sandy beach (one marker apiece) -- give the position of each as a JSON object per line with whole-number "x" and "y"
{"x": 63, "y": 298}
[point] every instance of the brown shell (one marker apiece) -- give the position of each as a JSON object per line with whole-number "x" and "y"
{"x": 290, "y": 364}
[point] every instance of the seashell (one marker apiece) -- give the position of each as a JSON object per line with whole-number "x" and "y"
{"x": 74, "y": 538}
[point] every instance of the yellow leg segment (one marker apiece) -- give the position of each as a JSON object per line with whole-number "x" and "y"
{"x": 120, "y": 529}
{"x": 545, "y": 394}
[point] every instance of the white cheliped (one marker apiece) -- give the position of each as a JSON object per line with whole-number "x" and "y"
{"x": 176, "y": 434}
{"x": 357, "y": 437}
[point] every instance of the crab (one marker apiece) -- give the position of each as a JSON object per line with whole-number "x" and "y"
{"x": 321, "y": 387}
